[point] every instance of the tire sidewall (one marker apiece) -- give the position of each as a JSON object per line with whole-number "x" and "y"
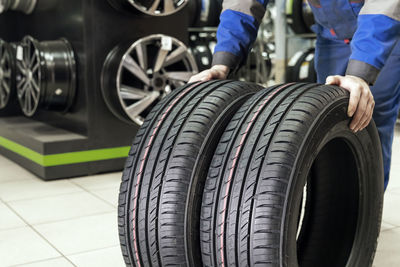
{"x": 330, "y": 124}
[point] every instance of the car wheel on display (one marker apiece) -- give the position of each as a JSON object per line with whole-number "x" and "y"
{"x": 162, "y": 184}
{"x": 284, "y": 147}
{"x": 46, "y": 75}
{"x": 7, "y": 75}
{"x": 299, "y": 16}
{"x": 25, "y": 6}
{"x": 301, "y": 67}
{"x": 267, "y": 32}
{"x": 150, "y": 7}
{"x": 258, "y": 66}
{"x": 136, "y": 76}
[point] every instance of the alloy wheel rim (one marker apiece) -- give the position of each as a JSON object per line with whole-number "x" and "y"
{"x": 29, "y": 78}
{"x": 6, "y": 72}
{"x": 159, "y": 7}
{"x": 149, "y": 70}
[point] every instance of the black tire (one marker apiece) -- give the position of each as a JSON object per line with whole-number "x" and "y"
{"x": 296, "y": 20}
{"x": 276, "y": 142}
{"x": 302, "y": 69}
{"x": 193, "y": 10}
{"x": 308, "y": 15}
{"x": 208, "y": 12}
{"x": 166, "y": 169}
{"x": 199, "y": 46}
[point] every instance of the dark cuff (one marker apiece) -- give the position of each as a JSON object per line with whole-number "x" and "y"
{"x": 363, "y": 70}
{"x": 228, "y": 59}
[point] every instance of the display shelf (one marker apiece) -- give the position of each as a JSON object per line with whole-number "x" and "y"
{"x": 303, "y": 35}
{"x": 90, "y": 138}
{"x": 203, "y": 29}
{"x": 53, "y": 153}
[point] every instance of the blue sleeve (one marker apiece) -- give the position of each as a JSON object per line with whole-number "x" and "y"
{"x": 237, "y": 31}
{"x": 377, "y": 33}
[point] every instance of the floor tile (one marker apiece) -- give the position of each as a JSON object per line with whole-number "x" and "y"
{"x": 387, "y": 254}
{"x": 23, "y": 245}
{"x": 35, "y": 188}
{"x": 395, "y": 191}
{"x": 386, "y": 226}
{"x": 12, "y": 172}
{"x": 5, "y": 161}
{"x": 391, "y": 212}
{"x": 110, "y": 195}
{"x": 102, "y": 181}
{"x": 8, "y": 219}
{"x": 394, "y": 182}
{"x": 83, "y": 234}
{"x": 56, "y": 208}
{"x": 58, "y": 262}
{"x": 99, "y": 258}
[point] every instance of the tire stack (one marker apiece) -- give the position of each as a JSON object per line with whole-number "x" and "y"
{"x": 204, "y": 13}
{"x": 300, "y": 20}
{"x": 299, "y": 16}
{"x": 202, "y": 46}
{"x": 203, "y": 20}
{"x": 301, "y": 67}
{"x": 227, "y": 173}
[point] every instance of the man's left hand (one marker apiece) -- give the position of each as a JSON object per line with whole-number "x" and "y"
{"x": 361, "y": 105}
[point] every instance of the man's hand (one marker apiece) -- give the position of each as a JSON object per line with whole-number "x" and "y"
{"x": 361, "y": 105}
{"x": 216, "y": 72}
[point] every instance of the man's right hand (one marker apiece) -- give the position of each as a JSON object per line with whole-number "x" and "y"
{"x": 216, "y": 72}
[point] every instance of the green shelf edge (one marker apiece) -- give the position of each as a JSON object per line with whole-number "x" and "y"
{"x": 65, "y": 158}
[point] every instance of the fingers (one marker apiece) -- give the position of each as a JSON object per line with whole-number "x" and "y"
{"x": 355, "y": 100}
{"x": 333, "y": 80}
{"x": 202, "y": 76}
{"x": 361, "y": 103}
{"x": 357, "y": 105}
{"x": 353, "y": 87}
{"x": 361, "y": 106}
{"x": 367, "y": 117}
{"x": 208, "y": 75}
{"x": 355, "y": 96}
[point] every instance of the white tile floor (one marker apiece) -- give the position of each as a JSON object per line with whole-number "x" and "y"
{"x": 74, "y": 222}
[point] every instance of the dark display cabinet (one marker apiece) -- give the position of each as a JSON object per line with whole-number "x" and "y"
{"x": 79, "y": 136}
